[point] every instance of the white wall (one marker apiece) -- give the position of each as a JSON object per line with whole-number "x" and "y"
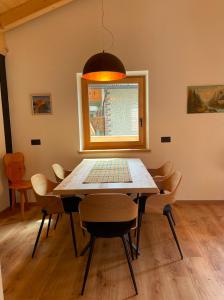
{"x": 4, "y": 194}
{"x": 180, "y": 43}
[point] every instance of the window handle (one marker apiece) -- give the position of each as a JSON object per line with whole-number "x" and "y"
{"x": 140, "y": 122}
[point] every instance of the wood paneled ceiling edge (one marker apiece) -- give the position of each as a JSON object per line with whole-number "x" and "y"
{"x": 23, "y": 13}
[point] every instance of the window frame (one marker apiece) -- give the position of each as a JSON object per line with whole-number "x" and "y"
{"x": 83, "y": 114}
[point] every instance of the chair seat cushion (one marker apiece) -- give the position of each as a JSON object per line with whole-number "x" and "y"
{"x": 21, "y": 185}
{"x": 109, "y": 229}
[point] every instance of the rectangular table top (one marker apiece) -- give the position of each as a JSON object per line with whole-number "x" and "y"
{"x": 142, "y": 182}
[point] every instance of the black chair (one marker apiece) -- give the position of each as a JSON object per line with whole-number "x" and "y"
{"x": 108, "y": 216}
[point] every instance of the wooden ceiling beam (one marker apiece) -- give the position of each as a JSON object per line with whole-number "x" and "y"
{"x": 28, "y": 11}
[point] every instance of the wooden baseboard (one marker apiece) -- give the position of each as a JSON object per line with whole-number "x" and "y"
{"x": 200, "y": 202}
{"x": 16, "y": 209}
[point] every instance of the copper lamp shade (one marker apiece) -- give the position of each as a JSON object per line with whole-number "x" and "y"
{"x": 103, "y": 67}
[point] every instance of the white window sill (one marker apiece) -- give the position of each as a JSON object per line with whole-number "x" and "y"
{"x": 112, "y": 151}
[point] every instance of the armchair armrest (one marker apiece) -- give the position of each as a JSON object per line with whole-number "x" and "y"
{"x": 67, "y": 172}
{"x": 51, "y": 185}
{"x": 157, "y": 202}
{"x": 153, "y": 172}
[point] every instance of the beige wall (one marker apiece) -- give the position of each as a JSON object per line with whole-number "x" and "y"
{"x": 4, "y": 195}
{"x": 180, "y": 43}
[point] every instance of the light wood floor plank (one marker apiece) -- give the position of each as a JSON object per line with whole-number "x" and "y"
{"x": 55, "y": 273}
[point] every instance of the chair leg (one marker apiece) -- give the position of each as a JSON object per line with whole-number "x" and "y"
{"x": 48, "y": 226}
{"x": 92, "y": 242}
{"x": 13, "y": 193}
{"x": 167, "y": 214}
{"x": 26, "y": 198}
{"x": 73, "y": 234}
{"x": 55, "y": 225}
{"x": 171, "y": 214}
{"x": 38, "y": 235}
{"x": 22, "y": 203}
{"x": 129, "y": 264}
{"x": 86, "y": 248}
{"x": 130, "y": 245}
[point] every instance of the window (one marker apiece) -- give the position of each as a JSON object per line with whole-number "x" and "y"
{"x": 113, "y": 115}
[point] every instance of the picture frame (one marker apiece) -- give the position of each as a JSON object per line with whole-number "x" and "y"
{"x": 41, "y": 104}
{"x": 205, "y": 99}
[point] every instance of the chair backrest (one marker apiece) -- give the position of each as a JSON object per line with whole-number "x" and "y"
{"x": 108, "y": 208}
{"x": 171, "y": 184}
{"x": 14, "y": 166}
{"x": 42, "y": 188}
{"x": 40, "y": 184}
{"x": 169, "y": 187}
{"x": 59, "y": 172}
{"x": 166, "y": 169}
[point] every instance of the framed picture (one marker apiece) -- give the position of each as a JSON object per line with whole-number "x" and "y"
{"x": 205, "y": 99}
{"x": 41, "y": 104}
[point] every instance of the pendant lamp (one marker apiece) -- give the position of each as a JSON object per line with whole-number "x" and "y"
{"x": 104, "y": 66}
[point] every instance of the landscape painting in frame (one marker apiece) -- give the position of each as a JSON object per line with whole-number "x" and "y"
{"x": 41, "y": 104}
{"x": 205, "y": 99}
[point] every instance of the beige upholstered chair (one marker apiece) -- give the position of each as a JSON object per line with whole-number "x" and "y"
{"x": 159, "y": 175}
{"x": 162, "y": 203}
{"x": 162, "y": 172}
{"x": 108, "y": 215}
{"x": 59, "y": 172}
{"x": 70, "y": 203}
{"x": 50, "y": 204}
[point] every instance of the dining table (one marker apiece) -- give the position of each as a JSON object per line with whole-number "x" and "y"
{"x": 109, "y": 175}
{"x": 140, "y": 179}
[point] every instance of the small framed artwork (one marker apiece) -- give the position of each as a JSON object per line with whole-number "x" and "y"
{"x": 41, "y": 104}
{"x": 205, "y": 99}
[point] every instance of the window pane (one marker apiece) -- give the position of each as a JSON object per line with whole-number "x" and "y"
{"x": 114, "y": 112}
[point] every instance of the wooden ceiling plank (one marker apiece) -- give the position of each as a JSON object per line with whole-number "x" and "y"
{"x": 28, "y": 11}
{"x": 8, "y": 4}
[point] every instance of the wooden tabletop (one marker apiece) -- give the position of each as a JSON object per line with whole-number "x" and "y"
{"x": 142, "y": 182}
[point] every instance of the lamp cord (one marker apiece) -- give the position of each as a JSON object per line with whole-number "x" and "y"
{"x": 105, "y": 28}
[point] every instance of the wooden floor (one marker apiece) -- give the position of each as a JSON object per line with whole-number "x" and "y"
{"x": 55, "y": 273}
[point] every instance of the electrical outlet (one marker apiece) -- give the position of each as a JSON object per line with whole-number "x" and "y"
{"x": 165, "y": 139}
{"x": 35, "y": 142}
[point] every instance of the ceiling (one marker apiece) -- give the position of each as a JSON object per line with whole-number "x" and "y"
{"x": 16, "y": 12}
{"x": 6, "y": 5}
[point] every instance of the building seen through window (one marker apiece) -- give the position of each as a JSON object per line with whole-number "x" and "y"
{"x": 113, "y": 111}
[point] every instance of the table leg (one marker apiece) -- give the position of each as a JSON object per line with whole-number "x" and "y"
{"x": 141, "y": 209}
{"x": 138, "y": 232}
